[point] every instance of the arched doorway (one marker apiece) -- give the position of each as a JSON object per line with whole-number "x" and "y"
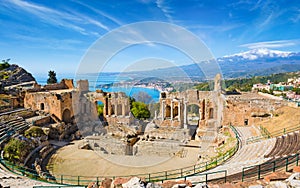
{"x": 193, "y": 118}
{"x": 66, "y": 116}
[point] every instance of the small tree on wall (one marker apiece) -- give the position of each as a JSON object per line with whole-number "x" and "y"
{"x": 51, "y": 77}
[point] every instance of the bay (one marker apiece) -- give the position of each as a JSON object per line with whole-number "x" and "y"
{"x": 95, "y": 81}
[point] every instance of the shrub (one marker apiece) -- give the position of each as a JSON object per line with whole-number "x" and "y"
{"x": 34, "y": 131}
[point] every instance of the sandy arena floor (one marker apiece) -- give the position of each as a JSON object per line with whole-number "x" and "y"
{"x": 70, "y": 160}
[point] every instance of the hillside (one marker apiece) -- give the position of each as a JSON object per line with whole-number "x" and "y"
{"x": 256, "y": 62}
{"x": 285, "y": 117}
{"x": 245, "y": 84}
{"x": 11, "y": 74}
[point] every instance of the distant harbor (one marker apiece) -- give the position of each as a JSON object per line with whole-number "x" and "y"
{"x": 107, "y": 84}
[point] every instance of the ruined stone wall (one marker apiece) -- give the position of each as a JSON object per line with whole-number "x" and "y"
{"x": 241, "y": 108}
{"x": 64, "y": 84}
{"x": 116, "y": 106}
{"x": 177, "y": 102}
{"x": 50, "y": 102}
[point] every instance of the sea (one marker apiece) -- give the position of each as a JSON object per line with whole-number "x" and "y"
{"x": 96, "y": 82}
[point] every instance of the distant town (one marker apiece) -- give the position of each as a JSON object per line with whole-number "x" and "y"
{"x": 289, "y": 90}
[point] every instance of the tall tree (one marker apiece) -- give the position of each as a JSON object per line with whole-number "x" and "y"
{"x": 51, "y": 77}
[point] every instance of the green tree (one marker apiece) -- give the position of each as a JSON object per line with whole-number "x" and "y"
{"x": 100, "y": 109}
{"x": 51, "y": 77}
{"x": 140, "y": 110}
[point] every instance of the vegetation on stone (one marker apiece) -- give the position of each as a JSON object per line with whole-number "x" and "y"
{"x": 16, "y": 150}
{"x": 34, "y": 131}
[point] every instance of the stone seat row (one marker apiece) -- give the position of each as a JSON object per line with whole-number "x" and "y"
{"x": 285, "y": 145}
{"x": 15, "y": 124}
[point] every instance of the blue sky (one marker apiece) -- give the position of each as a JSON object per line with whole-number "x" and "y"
{"x": 55, "y": 34}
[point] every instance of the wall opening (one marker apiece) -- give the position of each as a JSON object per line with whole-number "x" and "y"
{"x": 211, "y": 113}
{"x": 42, "y": 106}
{"x": 175, "y": 112}
{"x": 67, "y": 116}
{"x": 168, "y": 111}
{"x": 193, "y": 115}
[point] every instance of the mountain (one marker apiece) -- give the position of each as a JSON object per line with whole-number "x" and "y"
{"x": 13, "y": 74}
{"x": 259, "y": 62}
{"x": 256, "y": 54}
{"x": 255, "y": 62}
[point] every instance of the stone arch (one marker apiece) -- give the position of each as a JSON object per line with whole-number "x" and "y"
{"x": 193, "y": 113}
{"x": 66, "y": 116}
{"x": 106, "y": 106}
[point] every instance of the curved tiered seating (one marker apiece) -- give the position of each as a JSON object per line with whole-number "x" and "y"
{"x": 285, "y": 145}
{"x": 12, "y": 126}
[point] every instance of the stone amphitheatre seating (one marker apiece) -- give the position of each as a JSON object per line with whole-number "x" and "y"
{"x": 285, "y": 145}
{"x": 247, "y": 155}
{"x": 262, "y": 152}
{"x": 12, "y": 123}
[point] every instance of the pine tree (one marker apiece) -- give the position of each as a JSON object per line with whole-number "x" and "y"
{"x": 51, "y": 77}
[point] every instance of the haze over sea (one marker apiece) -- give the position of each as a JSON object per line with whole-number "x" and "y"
{"x": 94, "y": 83}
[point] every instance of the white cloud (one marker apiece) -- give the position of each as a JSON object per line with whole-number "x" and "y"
{"x": 161, "y": 4}
{"x": 115, "y": 20}
{"x": 54, "y": 17}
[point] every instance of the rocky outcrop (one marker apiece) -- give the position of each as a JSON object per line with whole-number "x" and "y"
{"x": 14, "y": 75}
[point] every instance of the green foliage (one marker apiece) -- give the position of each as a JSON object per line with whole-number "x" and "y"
{"x": 34, "y": 131}
{"x": 15, "y": 150}
{"x": 296, "y": 90}
{"x": 4, "y": 75}
{"x": 205, "y": 86}
{"x": 245, "y": 84}
{"x": 4, "y": 64}
{"x": 51, "y": 77}
{"x": 140, "y": 110}
{"x": 100, "y": 109}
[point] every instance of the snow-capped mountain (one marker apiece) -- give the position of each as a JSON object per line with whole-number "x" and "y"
{"x": 259, "y": 61}
{"x": 255, "y": 62}
{"x": 256, "y": 54}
